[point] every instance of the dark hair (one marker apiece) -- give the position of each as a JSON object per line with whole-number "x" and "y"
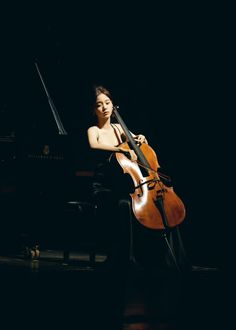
{"x": 97, "y": 90}
{"x": 101, "y": 90}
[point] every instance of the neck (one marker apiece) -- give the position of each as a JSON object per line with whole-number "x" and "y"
{"x": 104, "y": 123}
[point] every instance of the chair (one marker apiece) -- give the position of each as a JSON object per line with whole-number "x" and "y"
{"x": 79, "y": 229}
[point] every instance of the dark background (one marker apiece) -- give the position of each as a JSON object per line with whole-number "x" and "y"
{"x": 167, "y": 70}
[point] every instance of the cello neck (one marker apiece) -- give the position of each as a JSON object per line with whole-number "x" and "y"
{"x": 130, "y": 139}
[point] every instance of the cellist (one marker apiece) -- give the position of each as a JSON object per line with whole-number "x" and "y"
{"x": 111, "y": 189}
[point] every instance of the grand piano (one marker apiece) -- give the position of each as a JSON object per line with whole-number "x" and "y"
{"x": 40, "y": 173}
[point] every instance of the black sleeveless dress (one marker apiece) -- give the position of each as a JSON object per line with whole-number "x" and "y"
{"x": 110, "y": 191}
{"x": 109, "y": 176}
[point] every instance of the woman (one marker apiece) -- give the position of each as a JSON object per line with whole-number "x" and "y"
{"x": 111, "y": 187}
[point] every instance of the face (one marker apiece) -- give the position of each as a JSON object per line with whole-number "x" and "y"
{"x": 104, "y": 106}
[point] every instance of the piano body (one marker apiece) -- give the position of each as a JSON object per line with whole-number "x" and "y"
{"x": 39, "y": 174}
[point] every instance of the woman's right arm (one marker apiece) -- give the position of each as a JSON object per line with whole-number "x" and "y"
{"x": 93, "y": 140}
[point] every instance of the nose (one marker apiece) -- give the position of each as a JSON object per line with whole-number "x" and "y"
{"x": 104, "y": 107}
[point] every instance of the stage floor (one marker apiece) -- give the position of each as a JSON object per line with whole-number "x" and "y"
{"x": 79, "y": 295}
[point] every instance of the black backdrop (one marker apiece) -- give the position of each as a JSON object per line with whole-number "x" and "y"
{"x": 166, "y": 70}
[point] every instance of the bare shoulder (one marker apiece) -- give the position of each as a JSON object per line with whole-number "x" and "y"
{"x": 92, "y": 129}
{"x": 119, "y": 127}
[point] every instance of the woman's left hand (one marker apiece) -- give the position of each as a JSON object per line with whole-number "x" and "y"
{"x": 140, "y": 139}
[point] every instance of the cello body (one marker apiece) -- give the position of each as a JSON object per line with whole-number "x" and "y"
{"x": 155, "y": 205}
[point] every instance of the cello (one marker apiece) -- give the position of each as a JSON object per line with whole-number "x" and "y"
{"x": 155, "y": 205}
